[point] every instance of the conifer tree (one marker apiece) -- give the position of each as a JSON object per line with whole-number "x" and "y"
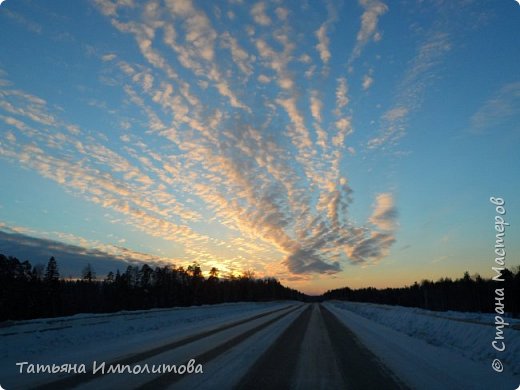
{"x": 52, "y": 273}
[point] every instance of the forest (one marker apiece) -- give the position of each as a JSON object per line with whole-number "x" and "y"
{"x": 38, "y": 291}
{"x": 468, "y": 293}
{"x": 28, "y": 291}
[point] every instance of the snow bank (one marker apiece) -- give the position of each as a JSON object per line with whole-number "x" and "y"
{"x": 428, "y": 351}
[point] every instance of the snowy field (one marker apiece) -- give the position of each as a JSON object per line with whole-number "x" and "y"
{"x": 434, "y": 350}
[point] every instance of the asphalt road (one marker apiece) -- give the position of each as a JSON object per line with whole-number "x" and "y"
{"x": 318, "y": 352}
{"x": 295, "y": 347}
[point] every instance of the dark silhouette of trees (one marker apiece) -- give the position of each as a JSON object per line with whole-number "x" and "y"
{"x": 28, "y": 291}
{"x": 52, "y": 287}
{"x": 213, "y": 273}
{"x": 469, "y": 293}
{"x": 33, "y": 292}
{"x": 52, "y": 275}
{"x": 88, "y": 273}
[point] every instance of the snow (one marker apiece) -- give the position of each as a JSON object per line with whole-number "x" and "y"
{"x": 85, "y": 338}
{"x": 431, "y": 350}
{"x": 426, "y": 350}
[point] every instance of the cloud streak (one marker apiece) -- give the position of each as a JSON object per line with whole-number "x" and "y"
{"x": 500, "y": 108}
{"x": 373, "y": 10}
{"x": 418, "y": 76}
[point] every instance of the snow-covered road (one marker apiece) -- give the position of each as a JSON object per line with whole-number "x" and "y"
{"x": 260, "y": 345}
{"x": 150, "y": 336}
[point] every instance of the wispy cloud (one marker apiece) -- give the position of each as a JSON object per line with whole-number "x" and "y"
{"x": 502, "y": 107}
{"x": 368, "y": 80}
{"x": 419, "y": 74}
{"x": 30, "y": 25}
{"x": 323, "y": 45}
{"x": 385, "y": 214}
{"x": 373, "y": 10}
{"x": 341, "y": 94}
{"x": 371, "y": 249}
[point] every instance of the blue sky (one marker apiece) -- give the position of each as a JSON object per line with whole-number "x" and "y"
{"x": 325, "y": 143}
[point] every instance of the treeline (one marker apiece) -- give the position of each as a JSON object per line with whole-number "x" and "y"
{"x": 473, "y": 294}
{"x": 28, "y": 291}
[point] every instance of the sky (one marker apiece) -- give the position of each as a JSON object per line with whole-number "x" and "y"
{"x": 325, "y": 143}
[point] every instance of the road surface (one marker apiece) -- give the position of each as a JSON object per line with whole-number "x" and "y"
{"x": 300, "y": 346}
{"x": 318, "y": 352}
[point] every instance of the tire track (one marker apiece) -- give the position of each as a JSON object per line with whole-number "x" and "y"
{"x": 275, "y": 368}
{"x": 360, "y": 368}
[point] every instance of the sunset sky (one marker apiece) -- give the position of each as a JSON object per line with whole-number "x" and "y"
{"x": 326, "y": 143}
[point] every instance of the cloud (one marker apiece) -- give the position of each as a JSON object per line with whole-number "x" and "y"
{"x": 368, "y": 80}
{"x": 371, "y": 249}
{"x": 374, "y": 9}
{"x": 502, "y": 107}
{"x": 385, "y": 214}
{"x": 322, "y": 34}
{"x": 420, "y": 73}
{"x": 316, "y": 106}
{"x": 282, "y": 13}
{"x": 264, "y": 79}
{"x": 323, "y": 45}
{"x": 109, "y": 57}
{"x": 341, "y": 94}
{"x": 259, "y": 15}
{"x": 396, "y": 113}
{"x": 216, "y": 148}
{"x": 241, "y": 58}
{"x": 304, "y": 261}
{"x": 277, "y": 61}
{"x": 23, "y": 21}
{"x": 300, "y": 137}
{"x": 71, "y": 258}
